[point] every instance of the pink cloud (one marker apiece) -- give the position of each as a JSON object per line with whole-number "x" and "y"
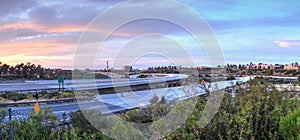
{"x": 288, "y": 43}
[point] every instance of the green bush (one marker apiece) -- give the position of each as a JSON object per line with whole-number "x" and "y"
{"x": 290, "y": 125}
{"x": 44, "y": 126}
{"x": 230, "y": 77}
{"x": 85, "y": 128}
{"x": 13, "y": 96}
{"x": 49, "y": 95}
{"x": 37, "y": 126}
{"x": 67, "y": 94}
{"x": 78, "y": 120}
{"x": 3, "y": 113}
{"x": 142, "y": 76}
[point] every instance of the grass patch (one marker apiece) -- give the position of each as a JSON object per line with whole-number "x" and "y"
{"x": 13, "y": 96}
{"x": 67, "y": 94}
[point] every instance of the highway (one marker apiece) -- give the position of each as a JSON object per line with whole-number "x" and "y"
{"x": 86, "y": 84}
{"x": 114, "y": 103}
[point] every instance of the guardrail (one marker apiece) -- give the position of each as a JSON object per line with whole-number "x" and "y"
{"x": 41, "y": 102}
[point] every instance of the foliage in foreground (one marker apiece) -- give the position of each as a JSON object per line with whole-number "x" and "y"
{"x": 255, "y": 113}
{"x": 45, "y": 125}
{"x": 290, "y": 125}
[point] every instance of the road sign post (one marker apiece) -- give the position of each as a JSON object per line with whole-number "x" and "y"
{"x": 36, "y": 96}
{"x": 36, "y": 108}
{"x": 60, "y": 80}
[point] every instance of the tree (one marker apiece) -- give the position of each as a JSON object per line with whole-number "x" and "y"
{"x": 154, "y": 99}
{"x": 230, "y": 77}
{"x": 4, "y": 69}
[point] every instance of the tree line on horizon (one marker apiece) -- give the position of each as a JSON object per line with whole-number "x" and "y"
{"x": 30, "y": 71}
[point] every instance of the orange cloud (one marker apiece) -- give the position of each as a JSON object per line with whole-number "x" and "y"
{"x": 63, "y": 28}
{"x": 55, "y": 29}
{"x": 29, "y": 50}
{"x": 18, "y": 26}
{"x": 39, "y": 50}
{"x": 30, "y": 45}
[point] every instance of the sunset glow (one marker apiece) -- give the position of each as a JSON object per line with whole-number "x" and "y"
{"x": 47, "y": 32}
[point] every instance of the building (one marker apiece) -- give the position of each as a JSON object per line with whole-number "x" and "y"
{"x": 201, "y": 67}
{"x": 259, "y": 66}
{"x": 292, "y": 67}
{"x": 126, "y": 68}
{"x": 276, "y": 66}
{"x": 262, "y": 66}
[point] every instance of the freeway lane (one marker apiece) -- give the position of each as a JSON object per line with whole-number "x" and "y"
{"x": 141, "y": 98}
{"x": 59, "y": 109}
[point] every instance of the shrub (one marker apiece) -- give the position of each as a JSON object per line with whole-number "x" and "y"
{"x": 290, "y": 125}
{"x": 67, "y": 94}
{"x": 14, "y": 96}
{"x": 230, "y": 77}
{"x": 3, "y": 113}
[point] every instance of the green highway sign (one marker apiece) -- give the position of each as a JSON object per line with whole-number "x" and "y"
{"x": 60, "y": 79}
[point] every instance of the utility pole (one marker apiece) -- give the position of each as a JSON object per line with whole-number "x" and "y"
{"x": 107, "y": 68}
{"x": 107, "y": 65}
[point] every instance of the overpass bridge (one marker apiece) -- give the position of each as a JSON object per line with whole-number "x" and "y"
{"x": 91, "y": 84}
{"x": 130, "y": 100}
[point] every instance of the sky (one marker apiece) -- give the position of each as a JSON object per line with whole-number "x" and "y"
{"x": 48, "y": 32}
